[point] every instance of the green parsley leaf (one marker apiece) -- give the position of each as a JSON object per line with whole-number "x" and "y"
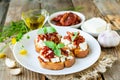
{"x": 19, "y": 36}
{"x": 16, "y": 29}
{"x": 75, "y": 35}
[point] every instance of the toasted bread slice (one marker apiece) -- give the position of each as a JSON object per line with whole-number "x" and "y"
{"x": 36, "y": 47}
{"x": 56, "y": 65}
{"x": 81, "y": 53}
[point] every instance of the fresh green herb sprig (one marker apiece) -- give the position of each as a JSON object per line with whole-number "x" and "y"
{"x": 55, "y": 47}
{"x": 75, "y": 35}
{"x": 16, "y": 29}
{"x": 45, "y": 30}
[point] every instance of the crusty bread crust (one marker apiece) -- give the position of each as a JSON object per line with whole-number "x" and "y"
{"x": 80, "y": 53}
{"x": 36, "y": 47}
{"x": 56, "y": 65}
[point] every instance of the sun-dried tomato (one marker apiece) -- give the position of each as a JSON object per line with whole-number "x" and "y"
{"x": 47, "y": 52}
{"x": 50, "y": 37}
{"x": 67, "y": 19}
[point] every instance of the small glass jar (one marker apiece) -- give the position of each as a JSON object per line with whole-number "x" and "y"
{"x": 35, "y": 19}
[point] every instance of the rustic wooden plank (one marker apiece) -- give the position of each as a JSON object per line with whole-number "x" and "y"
{"x": 18, "y": 6}
{"x": 14, "y": 13}
{"x": 56, "y": 5}
{"x": 89, "y": 9}
{"x": 115, "y": 20}
{"x": 111, "y": 7}
{"x": 3, "y": 11}
{"x": 113, "y": 72}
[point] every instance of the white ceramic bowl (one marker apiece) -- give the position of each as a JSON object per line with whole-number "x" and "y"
{"x": 82, "y": 17}
{"x": 95, "y": 26}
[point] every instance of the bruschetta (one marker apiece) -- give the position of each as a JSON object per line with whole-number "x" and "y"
{"x": 76, "y": 43}
{"x": 49, "y": 60}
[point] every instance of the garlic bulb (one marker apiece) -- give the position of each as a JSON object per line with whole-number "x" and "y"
{"x": 109, "y": 38}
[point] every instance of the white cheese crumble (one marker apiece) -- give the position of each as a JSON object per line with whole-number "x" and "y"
{"x": 83, "y": 46}
{"x": 62, "y": 59}
{"x": 49, "y": 51}
{"x": 68, "y": 51}
{"x": 56, "y": 59}
{"x": 46, "y": 60}
{"x": 65, "y": 41}
{"x": 71, "y": 46}
{"x": 68, "y": 43}
{"x": 40, "y": 44}
{"x": 70, "y": 57}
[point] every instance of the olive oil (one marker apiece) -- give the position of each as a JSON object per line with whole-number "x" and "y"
{"x": 35, "y": 22}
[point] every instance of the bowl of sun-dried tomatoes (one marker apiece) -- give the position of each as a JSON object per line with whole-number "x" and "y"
{"x": 66, "y": 19}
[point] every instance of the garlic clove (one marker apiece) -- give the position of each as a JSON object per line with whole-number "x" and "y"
{"x": 10, "y": 63}
{"x": 15, "y": 71}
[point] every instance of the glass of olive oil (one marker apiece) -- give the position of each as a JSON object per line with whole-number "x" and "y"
{"x": 35, "y": 19}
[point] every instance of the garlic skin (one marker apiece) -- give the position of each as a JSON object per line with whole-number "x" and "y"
{"x": 10, "y": 63}
{"x": 109, "y": 38}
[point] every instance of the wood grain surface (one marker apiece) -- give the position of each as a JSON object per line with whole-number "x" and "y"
{"x": 112, "y": 73}
{"x": 3, "y": 10}
{"x": 111, "y": 7}
{"x": 89, "y": 8}
{"x": 56, "y": 5}
{"x": 18, "y": 6}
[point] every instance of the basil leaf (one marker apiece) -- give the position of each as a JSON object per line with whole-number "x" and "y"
{"x": 51, "y": 29}
{"x": 57, "y": 52}
{"x": 40, "y": 31}
{"x": 50, "y": 44}
{"x": 45, "y": 30}
{"x": 75, "y": 35}
{"x": 60, "y": 45}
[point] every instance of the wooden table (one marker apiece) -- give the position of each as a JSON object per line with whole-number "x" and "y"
{"x": 90, "y": 8}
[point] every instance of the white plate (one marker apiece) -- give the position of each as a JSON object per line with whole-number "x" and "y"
{"x": 31, "y": 62}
